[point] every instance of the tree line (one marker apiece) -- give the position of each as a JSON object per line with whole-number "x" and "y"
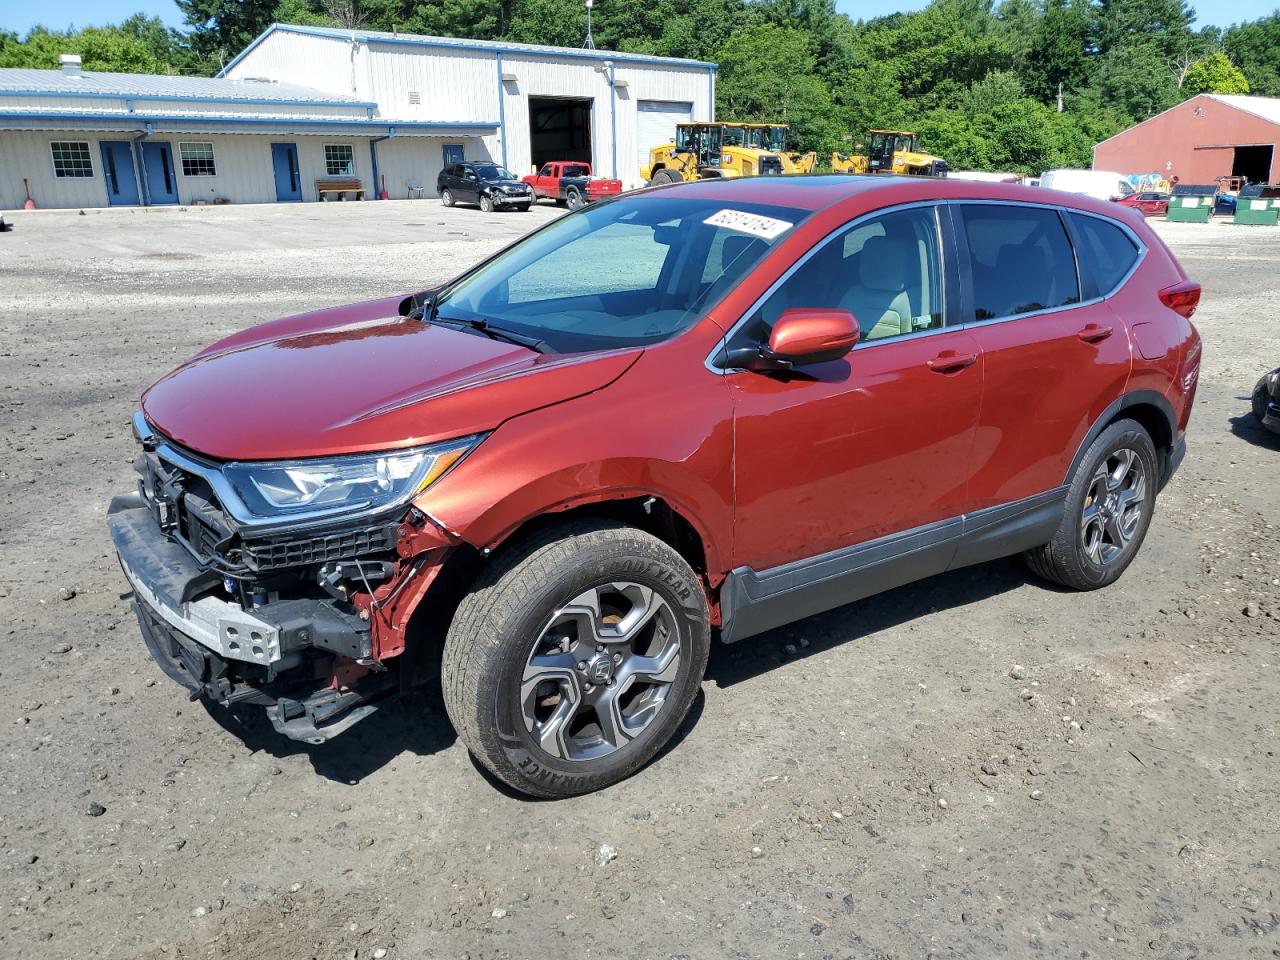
{"x": 1016, "y": 85}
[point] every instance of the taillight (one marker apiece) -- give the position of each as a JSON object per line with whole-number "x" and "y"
{"x": 1182, "y": 297}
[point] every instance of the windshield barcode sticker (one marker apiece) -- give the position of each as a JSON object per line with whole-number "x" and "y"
{"x": 764, "y": 227}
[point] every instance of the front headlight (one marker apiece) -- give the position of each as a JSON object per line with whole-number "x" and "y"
{"x": 369, "y": 481}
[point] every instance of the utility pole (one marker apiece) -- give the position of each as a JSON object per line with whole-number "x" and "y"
{"x": 1059, "y": 96}
{"x": 590, "y": 43}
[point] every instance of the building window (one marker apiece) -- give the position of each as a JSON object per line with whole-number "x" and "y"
{"x": 71, "y": 159}
{"x": 197, "y": 159}
{"x": 339, "y": 160}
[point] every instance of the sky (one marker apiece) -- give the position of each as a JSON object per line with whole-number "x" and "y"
{"x": 20, "y": 15}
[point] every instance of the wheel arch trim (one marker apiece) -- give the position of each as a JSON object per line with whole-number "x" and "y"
{"x": 1166, "y": 446}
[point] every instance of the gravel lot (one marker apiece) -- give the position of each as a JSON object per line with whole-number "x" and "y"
{"x": 870, "y": 783}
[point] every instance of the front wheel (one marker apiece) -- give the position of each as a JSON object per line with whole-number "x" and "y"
{"x": 575, "y": 657}
{"x": 1109, "y": 507}
{"x": 486, "y": 203}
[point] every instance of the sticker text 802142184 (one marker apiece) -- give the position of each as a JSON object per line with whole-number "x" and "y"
{"x": 766, "y": 228}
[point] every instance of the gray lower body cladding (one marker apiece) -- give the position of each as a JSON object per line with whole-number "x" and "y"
{"x": 755, "y": 601}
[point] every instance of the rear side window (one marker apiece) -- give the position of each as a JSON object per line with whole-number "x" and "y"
{"x": 1106, "y": 254}
{"x": 1021, "y": 260}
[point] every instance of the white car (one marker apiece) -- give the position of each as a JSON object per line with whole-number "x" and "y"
{"x": 1099, "y": 184}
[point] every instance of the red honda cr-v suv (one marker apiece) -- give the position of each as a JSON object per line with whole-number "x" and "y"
{"x": 710, "y": 408}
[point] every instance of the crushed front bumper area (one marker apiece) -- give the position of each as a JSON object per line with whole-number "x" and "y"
{"x": 283, "y": 655}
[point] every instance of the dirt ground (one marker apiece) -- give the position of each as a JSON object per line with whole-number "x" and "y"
{"x": 870, "y": 783}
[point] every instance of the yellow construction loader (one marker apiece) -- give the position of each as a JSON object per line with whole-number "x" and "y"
{"x": 773, "y": 137}
{"x": 892, "y": 151}
{"x": 702, "y": 151}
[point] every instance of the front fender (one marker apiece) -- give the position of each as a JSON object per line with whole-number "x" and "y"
{"x": 613, "y": 444}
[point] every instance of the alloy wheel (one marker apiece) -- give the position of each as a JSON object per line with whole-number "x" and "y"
{"x": 1113, "y": 506}
{"x": 601, "y": 671}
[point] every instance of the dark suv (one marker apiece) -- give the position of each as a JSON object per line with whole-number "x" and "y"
{"x": 695, "y": 411}
{"x": 483, "y": 183}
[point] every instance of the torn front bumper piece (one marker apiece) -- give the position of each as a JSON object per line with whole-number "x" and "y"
{"x": 284, "y": 655}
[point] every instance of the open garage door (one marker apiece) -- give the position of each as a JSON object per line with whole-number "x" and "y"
{"x": 559, "y": 129}
{"x": 656, "y": 123}
{"x": 1253, "y": 163}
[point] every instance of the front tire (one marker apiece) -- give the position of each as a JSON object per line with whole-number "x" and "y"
{"x": 1109, "y": 507}
{"x": 575, "y": 657}
{"x": 486, "y": 203}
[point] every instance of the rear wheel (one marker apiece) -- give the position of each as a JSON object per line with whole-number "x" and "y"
{"x": 486, "y": 203}
{"x": 1109, "y": 507}
{"x": 573, "y": 199}
{"x": 446, "y": 197}
{"x": 575, "y": 657}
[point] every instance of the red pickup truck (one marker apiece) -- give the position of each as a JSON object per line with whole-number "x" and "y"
{"x": 571, "y": 183}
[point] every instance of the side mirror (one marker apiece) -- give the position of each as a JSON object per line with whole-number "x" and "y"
{"x": 801, "y": 336}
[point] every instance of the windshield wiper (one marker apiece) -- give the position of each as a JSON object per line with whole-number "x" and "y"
{"x": 481, "y": 325}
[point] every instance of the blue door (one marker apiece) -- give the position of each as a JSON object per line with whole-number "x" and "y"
{"x": 453, "y": 153}
{"x": 284, "y": 160}
{"x": 122, "y": 180}
{"x": 157, "y": 172}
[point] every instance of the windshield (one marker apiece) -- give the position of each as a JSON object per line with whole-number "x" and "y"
{"x": 622, "y": 273}
{"x": 735, "y": 137}
{"x": 494, "y": 173}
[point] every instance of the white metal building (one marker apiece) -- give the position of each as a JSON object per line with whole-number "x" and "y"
{"x": 72, "y": 138}
{"x": 304, "y": 105}
{"x": 549, "y": 103}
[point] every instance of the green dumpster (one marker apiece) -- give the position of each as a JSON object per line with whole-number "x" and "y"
{"x": 1189, "y": 203}
{"x": 1258, "y": 205}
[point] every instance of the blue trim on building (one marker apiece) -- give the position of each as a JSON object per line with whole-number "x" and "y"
{"x": 613, "y": 119}
{"x": 129, "y": 97}
{"x": 376, "y": 126}
{"x": 502, "y": 111}
{"x": 459, "y": 43}
{"x": 373, "y": 157}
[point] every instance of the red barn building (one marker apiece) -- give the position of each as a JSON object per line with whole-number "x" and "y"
{"x": 1211, "y": 135}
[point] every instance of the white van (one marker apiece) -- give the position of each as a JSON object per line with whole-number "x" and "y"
{"x": 1101, "y": 184}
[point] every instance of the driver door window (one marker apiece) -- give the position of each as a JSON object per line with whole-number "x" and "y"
{"x": 886, "y": 271}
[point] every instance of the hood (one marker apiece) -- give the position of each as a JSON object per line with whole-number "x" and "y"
{"x": 359, "y": 378}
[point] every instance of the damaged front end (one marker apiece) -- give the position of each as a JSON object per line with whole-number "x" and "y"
{"x": 305, "y": 612}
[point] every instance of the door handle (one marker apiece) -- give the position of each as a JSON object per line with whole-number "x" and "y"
{"x": 949, "y": 361}
{"x": 1092, "y": 333}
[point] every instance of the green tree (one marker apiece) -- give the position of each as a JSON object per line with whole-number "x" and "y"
{"x": 1255, "y": 49}
{"x": 1214, "y": 74}
{"x": 220, "y": 29}
{"x": 1060, "y": 51}
{"x": 767, "y": 74}
{"x": 139, "y": 45}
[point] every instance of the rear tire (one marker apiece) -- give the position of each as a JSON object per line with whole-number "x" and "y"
{"x": 542, "y": 641}
{"x": 446, "y": 197}
{"x": 573, "y": 199}
{"x": 1109, "y": 507}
